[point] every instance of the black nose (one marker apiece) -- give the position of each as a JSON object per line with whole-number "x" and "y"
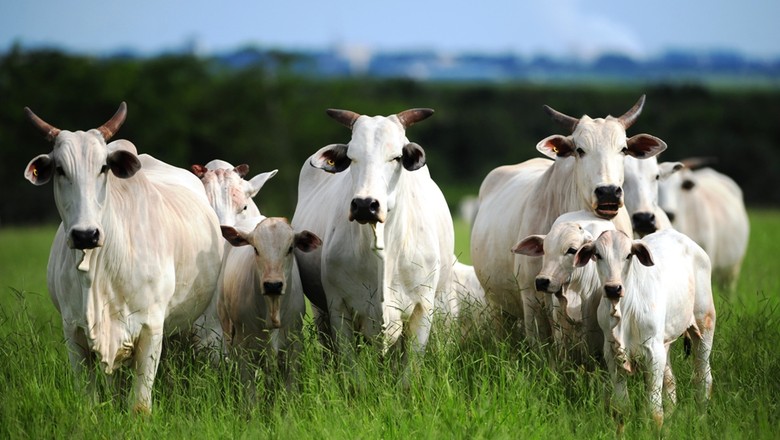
{"x": 85, "y": 238}
{"x": 670, "y": 215}
{"x": 643, "y": 222}
{"x": 613, "y": 291}
{"x": 609, "y": 193}
{"x": 542, "y": 284}
{"x": 364, "y": 210}
{"x": 272, "y": 287}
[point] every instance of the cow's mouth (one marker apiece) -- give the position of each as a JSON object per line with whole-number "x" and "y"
{"x": 607, "y": 210}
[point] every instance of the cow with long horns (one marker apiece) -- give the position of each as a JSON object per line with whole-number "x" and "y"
{"x": 387, "y": 233}
{"x": 519, "y": 200}
{"x": 136, "y": 256}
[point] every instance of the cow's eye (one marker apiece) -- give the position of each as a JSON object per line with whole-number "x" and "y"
{"x": 245, "y": 206}
{"x": 255, "y": 249}
{"x": 398, "y": 159}
{"x": 580, "y": 152}
{"x": 104, "y": 169}
{"x": 571, "y": 251}
{"x": 597, "y": 255}
{"x": 624, "y": 150}
{"x": 657, "y": 177}
{"x": 289, "y": 250}
{"x": 628, "y": 257}
{"x": 59, "y": 171}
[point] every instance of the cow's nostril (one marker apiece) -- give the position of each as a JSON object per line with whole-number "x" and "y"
{"x": 85, "y": 238}
{"x": 374, "y": 207}
{"x": 613, "y": 291}
{"x": 542, "y": 284}
{"x": 272, "y": 287}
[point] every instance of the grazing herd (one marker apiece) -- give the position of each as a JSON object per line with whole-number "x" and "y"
{"x": 580, "y": 250}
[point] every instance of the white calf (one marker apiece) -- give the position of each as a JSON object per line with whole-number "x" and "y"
{"x": 261, "y": 303}
{"x": 646, "y": 307}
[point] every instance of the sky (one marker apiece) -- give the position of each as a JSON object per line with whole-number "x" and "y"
{"x": 560, "y": 28}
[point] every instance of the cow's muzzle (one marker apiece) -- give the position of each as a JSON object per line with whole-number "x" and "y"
{"x": 644, "y": 223}
{"x": 609, "y": 199}
{"x": 85, "y": 238}
{"x": 365, "y": 210}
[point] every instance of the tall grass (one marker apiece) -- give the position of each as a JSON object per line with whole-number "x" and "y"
{"x": 472, "y": 388}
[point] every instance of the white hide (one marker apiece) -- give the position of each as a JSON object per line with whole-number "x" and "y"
{"x": 151, "y": 272}
{"x": 576, "y": 291}
{"x": 516, "y": 201}
{"x": 229, "y": 194}
{"x": 655, "y": 289}
{"x": 379, "y": 275}
{"x": 708, "y": 207}
{"x": 642, "y": 178}
{"x": 261, "y": 304}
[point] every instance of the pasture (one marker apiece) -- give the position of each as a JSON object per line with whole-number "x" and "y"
{"x": 473, "y": 388}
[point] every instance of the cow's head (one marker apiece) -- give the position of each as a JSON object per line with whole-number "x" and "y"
{"x": 613, "y": 253}
{"x": 82, "y": 165}
{"x": 557, "y": 250}
{"x": 377, "y": 154}
{"x": 273, "y": 241}
{"x": 598, "y": 147}
{"x": 671, "y": 188}
{"x": 229, "y": 194}
{"x": 642, "y": 178}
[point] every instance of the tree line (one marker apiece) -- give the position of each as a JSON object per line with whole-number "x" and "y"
{"x": 185, "y": 110}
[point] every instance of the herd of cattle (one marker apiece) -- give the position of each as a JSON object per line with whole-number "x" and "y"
{"x": 146, "y": 249}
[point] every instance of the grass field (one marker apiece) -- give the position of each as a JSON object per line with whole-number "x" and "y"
{"x": 478, "y": 388}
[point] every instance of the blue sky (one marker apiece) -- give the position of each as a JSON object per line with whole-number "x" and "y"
{"x": 567, "y": 28}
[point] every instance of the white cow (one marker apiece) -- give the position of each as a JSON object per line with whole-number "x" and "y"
{"x": 708, "y": 207}
{"x": 516, "y": 201}
{"x": 466, "y": 303}
{"x": 388, "y": 237}
{"x": 647, "y": 306}
{"x": 136, "y": 256}
{"x": 229, "y": 194}
{"x": 261, "y": 303}
{"x": 642, "y": 178}
{"x": 576, "y": 291}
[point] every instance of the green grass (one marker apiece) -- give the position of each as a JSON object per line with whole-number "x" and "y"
{"x": 477, "y": 388}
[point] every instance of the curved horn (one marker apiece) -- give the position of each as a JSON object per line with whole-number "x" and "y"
{"x": 694, "y": 163}
{"x": 561, "y": 118}
{"x": 110, "y": 128}
{"x": 49, "y": 130}
{"x": 414, "y": 115}
{"x": 345, "y": 117}
{"x": 630, "y": 116}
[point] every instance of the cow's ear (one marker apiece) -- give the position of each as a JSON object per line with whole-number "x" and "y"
{"x": 642, "y": 253}
{"x": 643, "y": 146}
{"x": 332, "y": 158}
{"x": 532, "y": 246}
{"x": 556, "y": 146}
{"x": 584, "y": 254}
{"x": 306, "y": 241}
{"x": 666, "y": 169}
{"x": 413, "y": 156}
{"x": 123, "y": 163}
{"x": 39, "y": 170}
{"x": 258, "y": 181}
{"x": 233, "y": 236}
{"x": 199, "y": 170}
{"x": 242, "y": 170}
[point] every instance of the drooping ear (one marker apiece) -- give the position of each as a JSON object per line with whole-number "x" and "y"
{"x": 687, "y": 184}
{"x": 242, "y": 170}
{"x": 198, "y": 170}
{"x": 123, "y": 163}
{"x": 668, "y": 168}
{"x": 413, "y": 156}
{"x": 556, "y": 146}
{"x": 258, "y": 181}
{"x": 233, "y": 236}
{"x": 39, "y": 169}
{"x": 584, "y": 254}
{"x": 642, "y": 253}
{"x": 306, "y": 241}
{"x": 332, "y": 158}
{"x": 532, "y": 246}
{"x": 642, "y": 146}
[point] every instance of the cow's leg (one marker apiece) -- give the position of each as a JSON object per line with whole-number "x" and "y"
{"x": 618, "y": 402}
{"x": 82, "y": 361}
{"x": 670, "y": 383}
{"x": 702, "y": 348}
{"x": 656, "y": 361}
{"x": 341, "y": 324}
{"x": 146, "y": 359}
